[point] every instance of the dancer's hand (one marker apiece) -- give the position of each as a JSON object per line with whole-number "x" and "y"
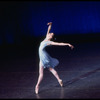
{"x": 71, "y": 46}
{"x": 50, "y": 23}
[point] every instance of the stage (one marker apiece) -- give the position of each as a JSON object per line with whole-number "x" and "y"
{"x": 78, "y": 68}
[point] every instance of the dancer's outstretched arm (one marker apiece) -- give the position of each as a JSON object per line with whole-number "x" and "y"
{"x": 49, "y": 27}
{"x": 62, "y": 44}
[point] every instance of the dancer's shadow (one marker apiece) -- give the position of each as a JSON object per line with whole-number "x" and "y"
{"x": 66, "y": 83}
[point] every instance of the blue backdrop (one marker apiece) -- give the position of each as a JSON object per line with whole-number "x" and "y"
{"x": 23, "y": 18}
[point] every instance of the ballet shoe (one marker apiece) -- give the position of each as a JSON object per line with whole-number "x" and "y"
{"x": 36, "y": 89}
{"x": 61, "y": 83}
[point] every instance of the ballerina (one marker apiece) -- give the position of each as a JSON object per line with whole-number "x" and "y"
{"x": 46, "y": 61}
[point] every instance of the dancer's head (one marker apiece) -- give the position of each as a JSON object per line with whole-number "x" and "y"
{"x": 50, "y": 36}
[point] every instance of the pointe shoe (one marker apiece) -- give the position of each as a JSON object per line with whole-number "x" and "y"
{"x": 61, "y": 83}
{"x": 36, "y": 89}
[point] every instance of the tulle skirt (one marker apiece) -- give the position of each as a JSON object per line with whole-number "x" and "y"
{"x": 47, "y": 61}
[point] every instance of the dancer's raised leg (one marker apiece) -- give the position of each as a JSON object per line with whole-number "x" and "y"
{"x": 54, "y": 72}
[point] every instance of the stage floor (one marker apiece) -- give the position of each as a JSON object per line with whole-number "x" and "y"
{"x": 78, "y": 68}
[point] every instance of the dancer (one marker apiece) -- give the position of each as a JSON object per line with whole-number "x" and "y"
{"x": 46, "y": 61}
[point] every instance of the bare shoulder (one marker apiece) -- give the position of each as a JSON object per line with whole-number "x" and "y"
{"x": 53, "y": 43}
{"x": 49, "y": 42}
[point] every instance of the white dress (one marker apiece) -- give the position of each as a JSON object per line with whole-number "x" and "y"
{"x": 45, "y": 59}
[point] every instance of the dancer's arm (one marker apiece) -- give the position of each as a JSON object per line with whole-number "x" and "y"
{"x": 62, "y": 44}
{"x": 49, "y": 27}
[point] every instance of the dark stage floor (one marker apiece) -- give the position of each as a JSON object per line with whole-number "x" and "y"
{"x": 78, "y": 68}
